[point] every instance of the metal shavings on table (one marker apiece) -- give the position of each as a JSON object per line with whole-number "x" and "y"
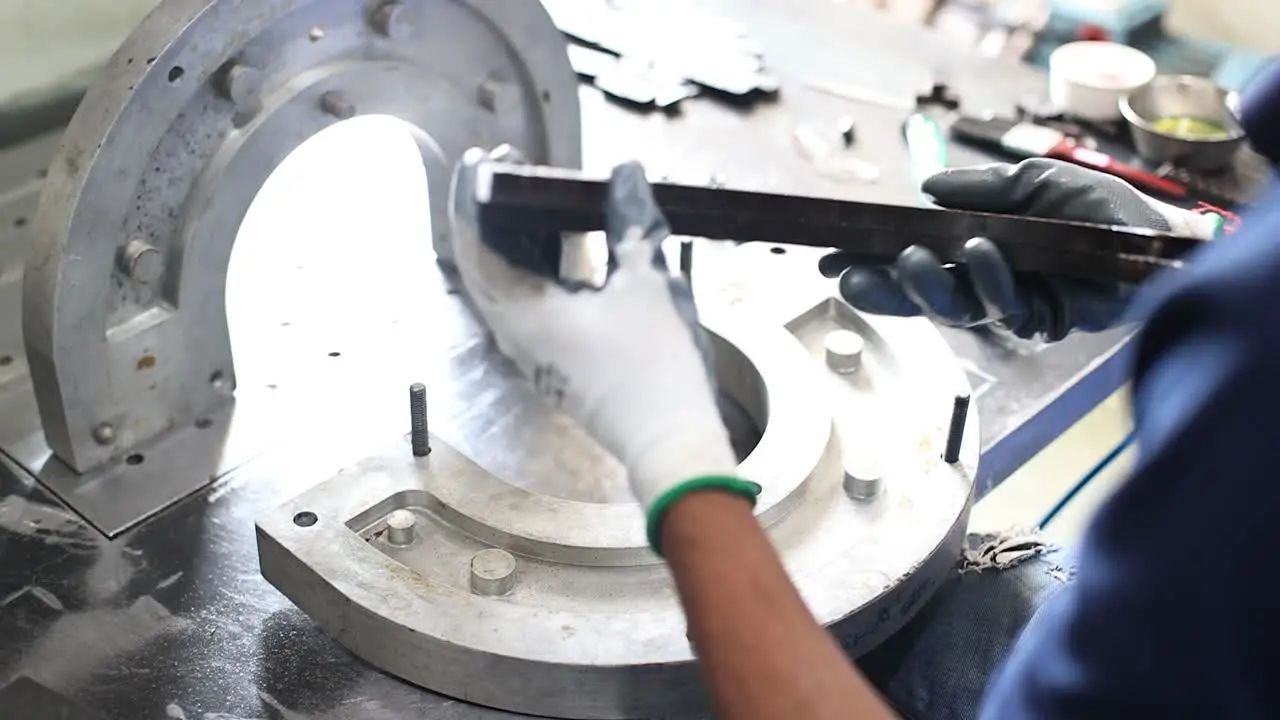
{"x": 657, "y": 54}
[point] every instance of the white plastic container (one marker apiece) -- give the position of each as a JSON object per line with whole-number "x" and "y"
{"x": 1088, "y": 79}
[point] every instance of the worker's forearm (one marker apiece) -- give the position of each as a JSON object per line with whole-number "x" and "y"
{"x": 762, "y": 653}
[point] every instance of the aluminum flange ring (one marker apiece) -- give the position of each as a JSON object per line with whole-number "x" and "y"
{"x": 486, "y": 588}
{"x": 124, "y": 298}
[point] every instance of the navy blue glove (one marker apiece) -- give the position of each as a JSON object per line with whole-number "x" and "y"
{"x": 981, "y": 289}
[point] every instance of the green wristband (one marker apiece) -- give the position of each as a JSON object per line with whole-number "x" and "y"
{"x": 1219, "y": 224}
{"x": 727, "y": 483}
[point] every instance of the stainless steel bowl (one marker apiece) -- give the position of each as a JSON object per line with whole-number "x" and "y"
{"x": 1180, "y": 96}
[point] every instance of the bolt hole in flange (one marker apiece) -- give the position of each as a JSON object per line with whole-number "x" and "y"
{"x": 175, "y": 73}
{"x": 135, "y": 459}
{"x": 6, "y": 360}
{"x": 204, "y": 423}
{"x": 306, "y": 518}
{"x": 778, "y": 250}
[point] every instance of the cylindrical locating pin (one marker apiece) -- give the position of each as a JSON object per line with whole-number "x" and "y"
{"x": 843, "y": 351}
{"x": 863, "y": 481}
{"x": 686, "y": 259}
{"x": 493, "y": 572}
{"x": 955, "y": 435}
{"x": 418, "y": 420}
{"x": 400, "y": 527}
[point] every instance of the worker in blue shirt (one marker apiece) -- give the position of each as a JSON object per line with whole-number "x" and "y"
{"x": 1167, "y": 609}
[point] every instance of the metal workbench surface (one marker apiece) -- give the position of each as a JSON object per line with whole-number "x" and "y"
{"x": 172, "y": 619}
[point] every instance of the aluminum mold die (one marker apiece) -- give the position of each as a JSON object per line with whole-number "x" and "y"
{"x": 162, "y": 149}
{"x": 170, "y": 147}
{"x": 592, "y": 628}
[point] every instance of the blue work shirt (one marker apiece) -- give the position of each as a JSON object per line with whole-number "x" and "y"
{"x": 1175, "y": 610}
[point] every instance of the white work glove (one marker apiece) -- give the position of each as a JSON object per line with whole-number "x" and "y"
{"x": 626, "y": 360}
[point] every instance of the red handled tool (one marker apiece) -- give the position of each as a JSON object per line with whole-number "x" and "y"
{"x": 1030, "y": 140}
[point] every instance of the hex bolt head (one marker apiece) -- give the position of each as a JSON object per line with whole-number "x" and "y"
{"x": 400, "y": 527}
{"x": 336, "y": 104}
{"x": 104, "y": 434}
{"x": 242, "y": 85}
{"x": 498, "y": 96}
{"x": 863, "y": 482}
{"x": 493, "y": 572}
{"x": 141, "y": 261}
{"x": 843, "y": 351}
{"x": 391, "y": 20}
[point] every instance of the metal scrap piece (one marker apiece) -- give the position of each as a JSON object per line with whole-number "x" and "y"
{"x": 699, "y": 47}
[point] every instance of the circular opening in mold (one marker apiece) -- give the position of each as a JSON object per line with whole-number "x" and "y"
{"x": 353, "y": 197}
{"x": 740, "y": 396}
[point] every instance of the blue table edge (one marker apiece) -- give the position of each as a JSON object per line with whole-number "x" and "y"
{"x": 1086, "y": 391}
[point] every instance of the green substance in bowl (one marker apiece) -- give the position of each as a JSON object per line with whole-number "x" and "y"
{"x": 1189, "y": 128}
